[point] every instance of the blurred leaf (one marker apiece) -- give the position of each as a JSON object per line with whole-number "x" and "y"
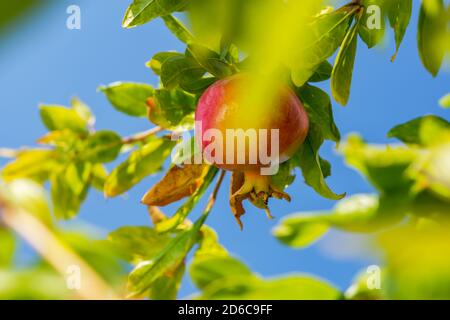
{"x": 129, "y": 98}
{"x": 294, "y": 287}
{"x": 182, "y": 212}
{"x": 360, "y": 289}
{"x": 31, "y": 164}
{"x": 178, "y": 29}
{"x": 368, "y": 29}
{"x": 328, "y": 31}
{"x": 399, "y": 14}
{"x": 444, "y": 102}
{"x": 179, "y": 182}
{"x": 32, "y": 283}
{"x": 69, "y": 188}
{"x": 29, "y": 196}
{"x": 99, "y": 175}
{"x": 146, "y": 273}
{"x": 309, "y": 161}
{"x": 83, "y": 111}
{"x": 143, "y": 11}
{"x": 103, "y": 146}
{"x": 384, "y": 166}
{"x": 358, "y": 213}
{"x": 206, "y": 270}
{"x": 341, "y": 77}
{"x": 409, "y": 132}
{"x": 180, "y": 69}
{"x": 8, "y": 243}
{"x": 432, "y": 172}
{"x": 101, "y": 255}
{"x": 300, "y": 231}
{"x": 322, "y": 73}
{"x": 172, "y": 109}
{"x": 59, "y": 118}
{"x": 137, "y": 244}
{"x": 419, "y": 254}
{"x": 158, "y": 59}
{"x": 142, "y": 162}
{"x": 431, "y": 35}
{"x": 210, "y": 60}
{"x": 209, "y": 244}
{"x": 318, "y": 106}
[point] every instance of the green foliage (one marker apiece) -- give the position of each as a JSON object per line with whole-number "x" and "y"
{"x": 311, "y": 164}
{"x": 143, "y": 11}
{"x": 129, "y": 98}
{"x": 369, "y": 31}
{"x": 432, "y": 34}
{"x": 399, "y": 15}
{"x": 147, "y": 159}
{"x": 412, "y": 180}
{"x": 60, "y": 118}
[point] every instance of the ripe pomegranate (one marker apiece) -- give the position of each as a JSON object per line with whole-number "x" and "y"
{"x": 221, "y": 108}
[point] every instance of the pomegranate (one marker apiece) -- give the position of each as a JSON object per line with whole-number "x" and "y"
{"x": 245, "y": 138}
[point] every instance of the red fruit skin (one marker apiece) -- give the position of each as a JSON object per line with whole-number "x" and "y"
{"x": 220, "y": 108}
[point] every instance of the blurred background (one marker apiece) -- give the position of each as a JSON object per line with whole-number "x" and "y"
{"x": 44, "y": 62}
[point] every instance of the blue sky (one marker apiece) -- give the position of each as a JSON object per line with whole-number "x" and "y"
{"x": 44, "y": 62}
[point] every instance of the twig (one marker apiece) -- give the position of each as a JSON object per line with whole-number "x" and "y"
{"x": 8, "y": 153}
{"x": 213, "y": 197}
{"x": 141, "y": 136}
{"x": 55, "y": 252}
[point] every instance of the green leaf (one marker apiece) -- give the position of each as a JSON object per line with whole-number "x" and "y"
{"x": 102, "y": 147}
{"x": 341, "y": 77}
{"x": 146, "y": 273}
{"x": 399, "y": 14}
{"x": 158, "y": 59}
{"x": 139, "y": 243}
{"x": 210, "y": 60}
{"x": 166, "y": 287}
{"x": 180, "y": 69}
{"x": 83, "y": 111}
{"x": 322, "y": 73}
{"x": 8, "y": 243}
{"x": 318, "y": 106}
{"x": 444, "y": 102}
{"x": 99, "y": 175}
{"x": 59, "y": 118}
{"x": 173, "y": 109}
{"x": 410, "y": 132}
{"x": 372, "y": 27}
{"x": 129, "y": 98}
{"x": 143, "y": 11}
{"x": 198, "y": 86}
{"x": 327, "y": 34}
{"x": 142, "y": 162}
{"x": 178, "y": 29}
{"x": 69, "y": 188}
{"x": 432, "y": 35}
{"x": 206, "y": 270}
{"x": 31, "y": 164}
{"x": 309, "y": 161}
